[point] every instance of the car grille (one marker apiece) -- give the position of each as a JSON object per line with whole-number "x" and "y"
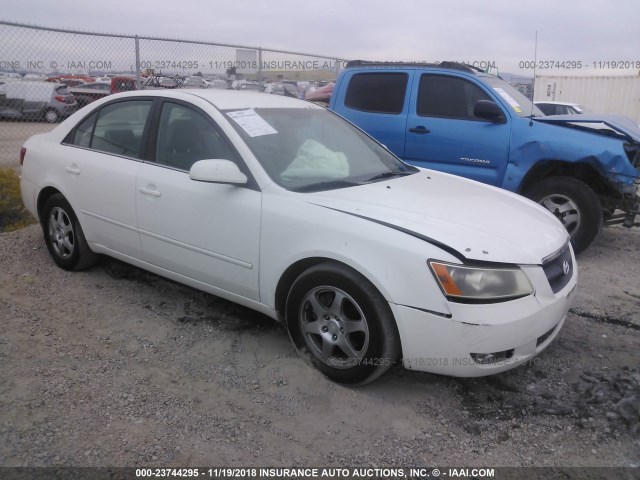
{"x": 559, "y": 269}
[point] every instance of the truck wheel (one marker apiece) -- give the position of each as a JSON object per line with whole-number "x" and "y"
{"x": 574, "y": 204}
{"x": 51, "y": 116}
{"x": 341, "y": 324}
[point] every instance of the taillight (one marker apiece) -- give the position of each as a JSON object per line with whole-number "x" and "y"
{"x": 60, "y": 98}
{"x": 23, "y": 152}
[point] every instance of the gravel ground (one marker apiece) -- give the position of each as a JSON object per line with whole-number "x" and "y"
{"x": 118, "y": 367}
{"x": 14, "y": 134}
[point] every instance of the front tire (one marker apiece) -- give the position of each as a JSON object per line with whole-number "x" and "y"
{"x": 341, "y": 324}
{"x": 574, "y": 204}
{"x": 64, "y": 237}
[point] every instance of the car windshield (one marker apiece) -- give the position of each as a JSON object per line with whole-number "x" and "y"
{"x": 308, "y": 149}
{"x": 580, "y": 109}
{"x": 521, "y": 105}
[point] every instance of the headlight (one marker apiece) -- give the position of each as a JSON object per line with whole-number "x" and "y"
{"x": 480, "y": 284}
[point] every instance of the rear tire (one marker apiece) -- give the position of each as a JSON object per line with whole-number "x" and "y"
{"x": 341, "y": 324}
{"x": 51, "y": 116}
{"x": 574, "y": 204}
{"x": 64, "y": 237}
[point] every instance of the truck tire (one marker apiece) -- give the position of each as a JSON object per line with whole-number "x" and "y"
{"x": 575, "y": 204}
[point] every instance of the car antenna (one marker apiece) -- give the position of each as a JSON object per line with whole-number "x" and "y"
{"x": 533, "y": 87}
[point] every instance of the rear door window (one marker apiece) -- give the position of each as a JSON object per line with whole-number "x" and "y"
{"x": 120, "y": 126}
{"x": 116, "y": 128}
{"x": 84, "y": 131}
{"x": 377, "y": 92}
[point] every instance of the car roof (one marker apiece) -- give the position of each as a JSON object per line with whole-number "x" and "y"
{"x": 549, "y": 102}
{"x": 446, "y": 65}
{"x": 228, "y": 99}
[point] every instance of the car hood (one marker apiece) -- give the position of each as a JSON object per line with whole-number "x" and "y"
{"x": 620, "y": 124}
{"x": 468, "y": 219}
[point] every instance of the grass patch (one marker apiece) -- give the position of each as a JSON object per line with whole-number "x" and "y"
{"x": 13, "y": 215}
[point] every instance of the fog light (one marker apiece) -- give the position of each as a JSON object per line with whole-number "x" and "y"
{"x": 491, "y": 358}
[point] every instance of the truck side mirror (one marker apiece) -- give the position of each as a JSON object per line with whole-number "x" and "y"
{"x": 489, "y": 111}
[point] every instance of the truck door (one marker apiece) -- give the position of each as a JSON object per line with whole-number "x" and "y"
{"x": 444, "y": 134}
{"x": 377, "y": 102}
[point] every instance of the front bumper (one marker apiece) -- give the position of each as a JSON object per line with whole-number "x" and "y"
{"x": 630, "y": 206}
{"x": 514, "y": 331}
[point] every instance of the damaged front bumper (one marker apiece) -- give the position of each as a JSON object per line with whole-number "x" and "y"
{"x": 475, "y": 340}
{"x": 629, "y": 207}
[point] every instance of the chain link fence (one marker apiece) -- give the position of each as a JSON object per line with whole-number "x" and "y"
{"x": 46, "y": 73}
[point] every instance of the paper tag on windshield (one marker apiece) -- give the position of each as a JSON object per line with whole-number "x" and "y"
{"x": 252, "y": 123}
{"x": 510, "y": 100}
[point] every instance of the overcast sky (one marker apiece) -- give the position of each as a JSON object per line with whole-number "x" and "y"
{"x": 466, "y": 30}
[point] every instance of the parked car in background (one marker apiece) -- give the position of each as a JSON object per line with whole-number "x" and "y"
{"x": 195, "y": 82}
{"x": 10, "y": 75}
{"x": 71, "y": 80}
{"x": 561, "y": 108}
{"x": 219, "y": 83}
{"x": 161, "y": 81}
{"x": 457, "y": 119}
{"x": 123, "y": 83}
{"x": 34, "y": 100}
{"x": 41, "y": 77}
{"x": 320, "y": 95}
{"x": 246, "y": 85}
{"x": 294, "y": 212}
{"x": 88, "y": 92}
{"x": 285, "y": 89}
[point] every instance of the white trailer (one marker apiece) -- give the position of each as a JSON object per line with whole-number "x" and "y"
{"x": 610, "y": 94}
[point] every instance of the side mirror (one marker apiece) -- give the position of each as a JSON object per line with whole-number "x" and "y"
{"x": 217, "y": 171}
{"x": 489, "y": 111}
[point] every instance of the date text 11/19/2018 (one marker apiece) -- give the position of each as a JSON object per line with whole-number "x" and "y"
{"x": 580, "y": 64}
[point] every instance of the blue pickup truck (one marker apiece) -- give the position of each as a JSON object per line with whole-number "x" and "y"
{"x": 454, "y": 118}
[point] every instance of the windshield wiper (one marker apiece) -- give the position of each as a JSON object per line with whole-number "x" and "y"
{"x": 383, "y": 175}
{"x": 316, "y": 187}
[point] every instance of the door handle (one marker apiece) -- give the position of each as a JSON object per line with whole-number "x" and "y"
{"x": 419, "y": 129}
{"x": 149, "y": 191}
{"x": 73, "y": 169}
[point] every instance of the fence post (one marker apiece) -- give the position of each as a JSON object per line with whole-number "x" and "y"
{"x": 260, "y": 66}
{"x": 138, "y": 79}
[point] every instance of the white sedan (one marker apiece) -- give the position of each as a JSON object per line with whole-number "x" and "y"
{"x": 282, "y": 206}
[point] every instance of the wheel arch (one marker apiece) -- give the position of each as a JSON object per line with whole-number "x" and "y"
{"x": 289, "y": 276}
{"x": 296, "y": 269}
{"x": 43, "y": 196}
{"x": 582, "y": 171}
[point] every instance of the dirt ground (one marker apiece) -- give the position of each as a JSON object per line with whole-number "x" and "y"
{"x": 118, "y": 367}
